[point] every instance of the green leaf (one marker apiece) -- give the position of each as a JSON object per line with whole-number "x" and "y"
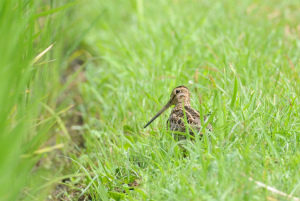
{"x": 234, "y": 93}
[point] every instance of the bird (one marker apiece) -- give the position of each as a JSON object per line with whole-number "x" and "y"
{"x": 180, "y": 97}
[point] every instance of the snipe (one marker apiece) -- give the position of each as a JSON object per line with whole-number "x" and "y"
{"x": 180, "y": 97}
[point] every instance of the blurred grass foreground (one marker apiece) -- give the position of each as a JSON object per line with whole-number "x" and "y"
{"x": 79, "y": 80}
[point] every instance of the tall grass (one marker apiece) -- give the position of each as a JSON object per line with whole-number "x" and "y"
{"x": 240, "y": 57}
{"x": 30, "y": 60}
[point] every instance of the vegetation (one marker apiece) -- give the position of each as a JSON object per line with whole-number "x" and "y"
{"x": 33, "y": 42}
{"x": 72, "y": 129}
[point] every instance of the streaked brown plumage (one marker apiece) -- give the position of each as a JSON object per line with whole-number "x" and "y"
{"x": 180, "y": 97}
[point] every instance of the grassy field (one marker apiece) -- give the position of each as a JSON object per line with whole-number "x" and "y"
{"x": 118, "y": 62}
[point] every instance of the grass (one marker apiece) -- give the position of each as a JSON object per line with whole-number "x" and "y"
{"x": 31, "y": 58}
{"x": 240, "y": 60}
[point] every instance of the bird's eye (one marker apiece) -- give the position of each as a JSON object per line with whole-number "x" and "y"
{"x": 177, "y": 91}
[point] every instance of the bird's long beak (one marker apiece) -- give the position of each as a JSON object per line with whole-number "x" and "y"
{"x": 161, "y": 111}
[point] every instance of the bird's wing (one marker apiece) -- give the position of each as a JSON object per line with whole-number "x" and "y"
{"x": 176, "y": 119}
{"x": 196, "y": 117}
